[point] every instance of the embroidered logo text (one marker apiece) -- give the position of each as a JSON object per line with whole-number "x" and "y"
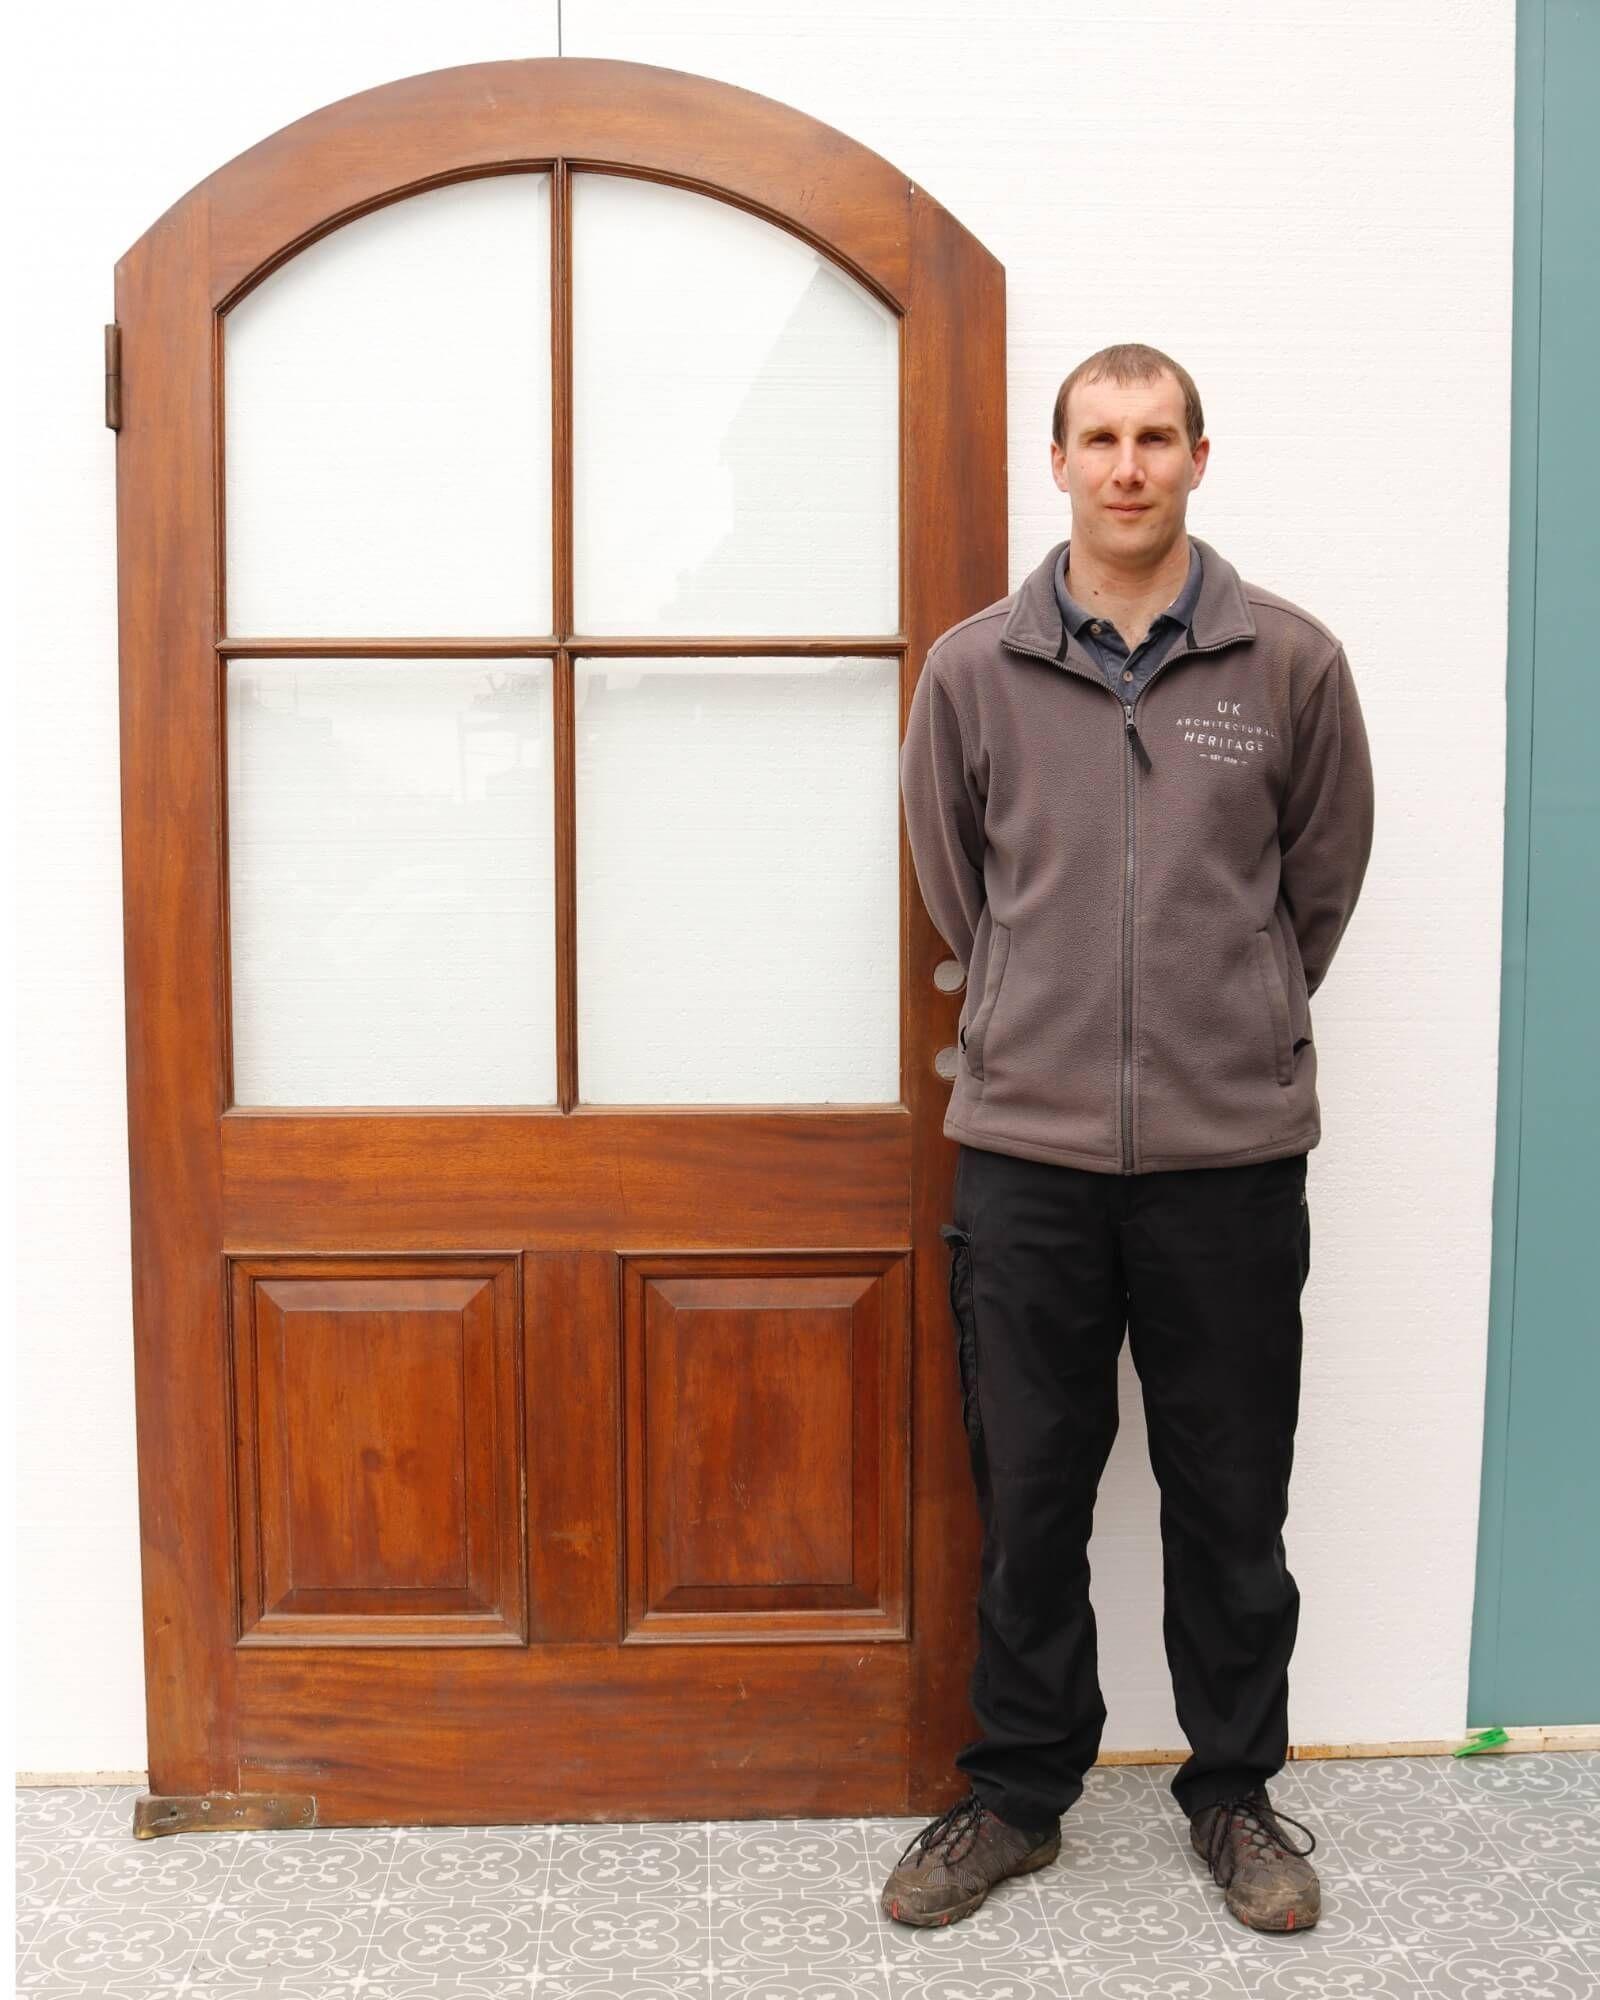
{"x": 1226, "y": 737}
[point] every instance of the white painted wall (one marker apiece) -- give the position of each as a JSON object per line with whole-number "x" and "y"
{"x": 1260, "y": 188}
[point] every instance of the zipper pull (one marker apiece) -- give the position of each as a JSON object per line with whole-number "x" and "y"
{"x": 1133, "y": 735}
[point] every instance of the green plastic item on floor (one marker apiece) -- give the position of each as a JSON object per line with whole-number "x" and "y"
{"x": 1480, "y": 1739}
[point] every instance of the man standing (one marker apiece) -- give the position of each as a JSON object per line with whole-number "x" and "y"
{"x": 1140, "y": 805}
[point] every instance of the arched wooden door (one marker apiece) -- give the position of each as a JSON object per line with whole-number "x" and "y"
{"x": 538, "y": 484}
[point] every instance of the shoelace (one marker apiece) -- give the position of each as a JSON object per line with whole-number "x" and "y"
{"x": 958, "y": 1825}
{"x": 1260, "y": 1820}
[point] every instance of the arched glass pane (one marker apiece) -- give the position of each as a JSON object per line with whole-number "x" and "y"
{"x": 736, "y": 401}
{"x": 391, "y": 881}
{"x": 738, "y": 881}
{"x": 387, "y": 410}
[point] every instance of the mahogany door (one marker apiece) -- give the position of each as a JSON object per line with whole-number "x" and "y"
{"x": 538, "y": 484}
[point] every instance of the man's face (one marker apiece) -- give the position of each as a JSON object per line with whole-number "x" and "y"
{"x": 1127, "y": 466}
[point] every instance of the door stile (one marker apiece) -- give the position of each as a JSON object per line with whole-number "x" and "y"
{"x": 171, "y": 728}
{"x": 955, "y": 529}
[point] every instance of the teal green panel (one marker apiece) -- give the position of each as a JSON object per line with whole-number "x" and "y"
{"x": 1536, "y": 1626}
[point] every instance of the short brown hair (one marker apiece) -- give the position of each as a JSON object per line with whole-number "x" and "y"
{"x": 1131, "y": 361}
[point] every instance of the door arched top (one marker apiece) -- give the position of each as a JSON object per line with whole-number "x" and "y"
{"x": 480, "y": 118}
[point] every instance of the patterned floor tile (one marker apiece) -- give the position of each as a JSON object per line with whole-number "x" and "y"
{"x": 646, "y": 1986}
{"x": 1353, "y": 1784}
{"x": 1414, "y": 1841}
{"x": 290, "y": 1948}
{"x": 627, "y": 1862}
{"x": 178, "y": 1871}
{"x": 1100, "y": 1925}
{"x": 832, "y": 1931}
{"x": 1570, "y": 1900}
{"x": 856, "y": 1984}
{"x": 44, "y": 1811}
{"x": 1123, "y": 1846}
{"x": 454, "y": 1945}
{"x": 1291, "y": 1968}
{"x": 1467, "y": 1879}
{"x": 1159, "y": 1979}
{"x": 1541, "y": 1836}
{"x": 625, "y": 1936}
{"x": 994, "y": 1981}
{"x": 1008, "y": 1928}
{"x": 786, "y": 1856}
{"x": 1110, "y": 1787}
{"x": 1504, "y": 1972}
{"x": 457, "y": 1864}
{"x": 1428, "y": 1911}
{"x": 106, "y": 1949}
{"x": 1527, "y": 1778}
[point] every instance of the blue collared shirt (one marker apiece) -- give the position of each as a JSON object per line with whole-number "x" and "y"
{"x": 1127, "y": 673}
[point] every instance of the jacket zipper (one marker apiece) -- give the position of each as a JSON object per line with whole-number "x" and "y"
{"x": 1130, "y": 736}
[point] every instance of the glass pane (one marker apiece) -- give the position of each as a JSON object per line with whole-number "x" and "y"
{"x": 736, "y": 423}
{"x": 738, "y": 881}
{"x": 391, "y": 872}
{"x": 388, "y": 424}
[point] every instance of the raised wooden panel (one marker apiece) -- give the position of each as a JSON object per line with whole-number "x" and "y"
{"x": 378, "y": 1448}
{"x": 765, "y": 1401}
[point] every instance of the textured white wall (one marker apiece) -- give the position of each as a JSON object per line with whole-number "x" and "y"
{"x": 1261, "y": 189}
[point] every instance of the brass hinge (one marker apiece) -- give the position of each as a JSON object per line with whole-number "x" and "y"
{"x": 204, "y": 1812}
{"x": 114, "y": 377}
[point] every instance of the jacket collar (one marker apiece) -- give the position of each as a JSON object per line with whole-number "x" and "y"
{"x": 1221, "y": 613}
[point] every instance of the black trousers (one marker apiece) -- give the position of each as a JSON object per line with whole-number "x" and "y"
{"x": 1203, "y": 1269}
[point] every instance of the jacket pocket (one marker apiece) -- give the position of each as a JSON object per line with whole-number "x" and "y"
{"x": 1277, "y": 999}
{"x": 966, "y": 1330}
{"x": 994, "y": 971}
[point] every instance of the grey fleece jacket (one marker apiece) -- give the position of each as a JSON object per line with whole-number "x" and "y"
{"x": 1144, "y": 894}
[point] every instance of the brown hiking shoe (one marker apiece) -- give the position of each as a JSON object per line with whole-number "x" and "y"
{"x": 946, "y": 1870}
{"x": 1270, "y": 1884}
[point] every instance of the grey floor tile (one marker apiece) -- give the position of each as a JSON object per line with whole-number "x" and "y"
{"x": 994, "y": 1981}
{"x": 47, "y": 1810}
{"x": 1106, "y": 1847}
{"x": 453, "y": 1944}
{"x": 1009, "y": 1929}
{"x": 1504, "y": 1972}
{"x": 1298, "y": 1968}
{"x": 178, "y": 1871}
{"x": 628, "y": 1862}
{"x": 642, "y": 1986}
{"x": 1468, "y": 1878}
{"x": 453, "y": 1869}
{"x": 1399, "y": 1841}
{"x": 1110, "y": 1786}
{"x": 323, "y": 1865}
{"x": 1157, "y": 1979}
{"x": 1439, "y": 1912}
{"x": 624, "y": 1936}
{"x": 1133, "y": 1920}
{"x": 833, "y": 1931}
{"x": 105, "y": 1949}
{"x": 857, "y": 1983}
{"x": 1541, "y": 1836}
{"x": 786, "y": 1856}
{"x": 1527, "y": 1778}
{"x": 1570, "y": 1900}
{"x": 321, "y": 1944}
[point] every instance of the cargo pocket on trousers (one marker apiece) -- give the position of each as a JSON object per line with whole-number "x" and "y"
{"x": 966, "y": 1330}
